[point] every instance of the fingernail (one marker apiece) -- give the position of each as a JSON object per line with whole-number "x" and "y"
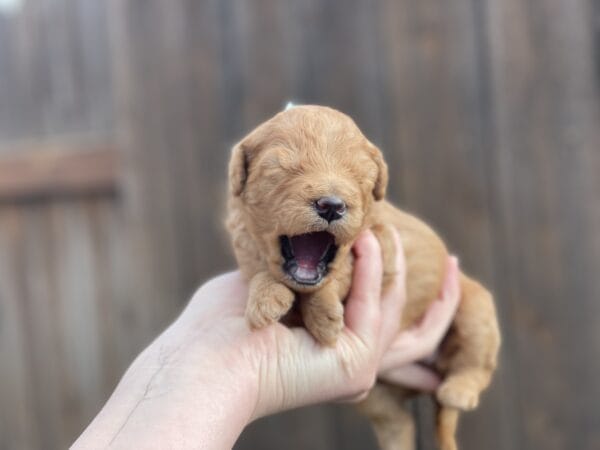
{"x": 453, "y": 266}
{"x": 364, "y": 234}
{"x": 368, "y": 233}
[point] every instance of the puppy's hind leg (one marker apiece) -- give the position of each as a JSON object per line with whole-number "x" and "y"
{"x": 394, "y": 426}
{"x": 447, "y": 423}
{"x": 473, "y": 345}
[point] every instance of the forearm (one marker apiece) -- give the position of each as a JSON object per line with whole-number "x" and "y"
{"x": 159, "y": 404}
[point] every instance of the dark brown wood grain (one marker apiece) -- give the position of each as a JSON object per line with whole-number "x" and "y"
{"x": 57, "y": 169}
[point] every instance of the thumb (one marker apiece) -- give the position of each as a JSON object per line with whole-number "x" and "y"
{"x": 363, "y": 312}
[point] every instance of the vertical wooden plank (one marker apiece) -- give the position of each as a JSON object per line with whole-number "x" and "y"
{"x": 74, "y": 356}
{"x": 261, "y": 39}
{"x": 437, "y": 136}
{"x": 61, "y": 383}
{"x": 172, "y": 189}
{"x": 91, "y": 31}
{"x": 323, "y": 49}
{"x": 98, "y": 212}
{"x": 43, "y": 323}
{"x": 201, "y": 127}
{"x": 120, "y": 314}
{"x": 7, "y": 80}
{"x": 77, "y": 316}
{"x": 55, "y": 69}
{"x": 18, "y": 428}
{"x": 546, "y": 160}
{"x": 150, "y": 225}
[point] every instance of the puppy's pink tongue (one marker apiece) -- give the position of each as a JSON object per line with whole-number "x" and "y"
{"x": 308, "y": 250}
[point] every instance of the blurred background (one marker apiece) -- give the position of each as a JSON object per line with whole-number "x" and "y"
{"x": 116, "y": 121}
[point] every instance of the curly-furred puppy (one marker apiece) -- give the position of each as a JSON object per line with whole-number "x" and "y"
{"x": 302, "y": 186}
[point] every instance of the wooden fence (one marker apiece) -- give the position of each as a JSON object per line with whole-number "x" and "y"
{"x": 116, "y": 120}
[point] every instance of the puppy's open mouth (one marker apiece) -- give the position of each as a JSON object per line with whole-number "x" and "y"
{"x": 307, "y": 256}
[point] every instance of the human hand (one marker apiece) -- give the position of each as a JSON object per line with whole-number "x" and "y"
{"x": 289, "y": 369}
{"x": 421, "y": 341}
{"x": 208, "y": 375}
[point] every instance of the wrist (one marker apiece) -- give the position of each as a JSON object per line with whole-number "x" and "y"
{"x": 178, "y": 392}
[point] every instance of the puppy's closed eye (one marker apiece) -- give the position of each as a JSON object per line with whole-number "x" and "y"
{"x": 281, "y": 158}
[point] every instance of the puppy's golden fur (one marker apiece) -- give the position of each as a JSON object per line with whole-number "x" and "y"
{"x": 276, "y": 175}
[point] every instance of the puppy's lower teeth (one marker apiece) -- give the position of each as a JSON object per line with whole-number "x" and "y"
{"x": 305, "y": 273}
{"x": 306, "y": 256}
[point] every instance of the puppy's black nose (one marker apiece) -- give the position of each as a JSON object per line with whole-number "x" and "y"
{"x": 330, "y": 208}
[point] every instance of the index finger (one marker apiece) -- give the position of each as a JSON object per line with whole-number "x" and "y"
{"x": 422, "y": 339}
{"x": 363, "y": 313}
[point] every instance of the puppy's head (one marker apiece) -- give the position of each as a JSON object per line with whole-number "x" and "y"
{"x": 305, "y": 181}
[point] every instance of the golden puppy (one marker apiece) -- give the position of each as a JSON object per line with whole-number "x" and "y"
{"x": 302, "y": 187}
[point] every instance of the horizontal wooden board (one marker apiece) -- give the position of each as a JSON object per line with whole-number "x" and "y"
{"x": 46, "y": 170}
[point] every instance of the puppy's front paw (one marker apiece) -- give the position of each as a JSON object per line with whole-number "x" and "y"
{"x": 268, "y": 302}
{"x": 323, "y": 319}
{"x": 458, "y": 392}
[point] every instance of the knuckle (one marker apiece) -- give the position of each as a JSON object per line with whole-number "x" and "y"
{"x": 365, "y": 383}
{"x": 358, "y": 397}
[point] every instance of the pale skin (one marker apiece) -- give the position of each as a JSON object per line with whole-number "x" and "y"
{"x": 208, "y": 375}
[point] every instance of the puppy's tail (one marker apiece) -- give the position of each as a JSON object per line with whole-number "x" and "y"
{"x": 447, "y": 422}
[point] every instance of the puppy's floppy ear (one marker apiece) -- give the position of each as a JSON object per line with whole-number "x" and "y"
{"x": 241, "y": 158}
{"x": 238, "y": 169}
{"x": 382, "y": 173}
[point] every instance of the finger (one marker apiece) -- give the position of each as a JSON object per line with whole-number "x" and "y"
{"x": 394, "y": 299}
{"x": 363, "y": 305}
{"x": 414, "y": 376}
{"x": 422, "y": 340}
{"x": 440, "y": 314}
